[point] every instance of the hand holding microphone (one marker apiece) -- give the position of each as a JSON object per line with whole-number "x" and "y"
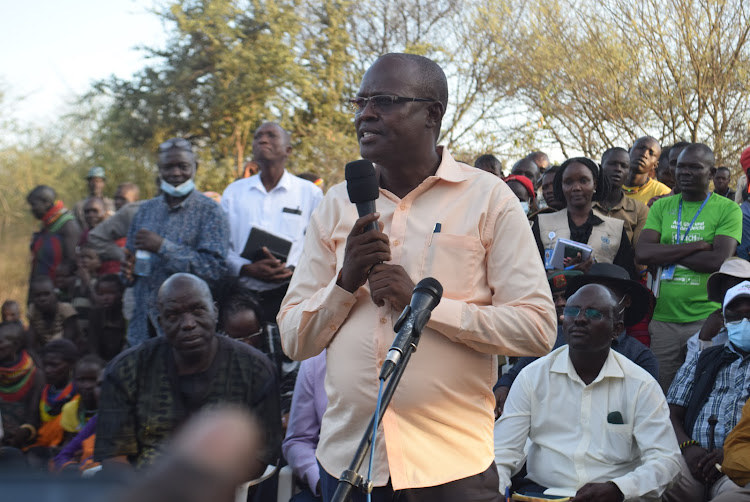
{"x": 366, "y": 245}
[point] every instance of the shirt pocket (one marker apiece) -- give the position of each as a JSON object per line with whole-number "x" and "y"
{"x": 291, "y": 224}
{"x": 617, "y": 443}
{"x": 455, "y": 261}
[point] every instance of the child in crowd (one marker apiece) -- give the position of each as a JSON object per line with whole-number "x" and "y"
{"x": 11, "y": 311}
{"x": 59, "y": 358}
{"x": 79, "y": 416}
{"x": 78, "y": 411}
{"x": 21, "y": 384}
{"x": 107, "y": 325}
{"x": 49, "y": 319}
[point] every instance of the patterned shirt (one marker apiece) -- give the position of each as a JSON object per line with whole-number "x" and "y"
{"x": 730, "y": 391}
{"x": 196, "y": 240}
{"x": 144, "y": 400}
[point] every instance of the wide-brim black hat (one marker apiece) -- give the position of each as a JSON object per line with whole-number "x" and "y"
{"x": 608, "y": 273}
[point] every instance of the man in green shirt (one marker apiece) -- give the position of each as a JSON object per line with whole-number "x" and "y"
{"x": 688, "y": 236}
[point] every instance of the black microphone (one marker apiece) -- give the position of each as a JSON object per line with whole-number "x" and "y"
{"x": 362, "y": 185}
{"x": 426, "y": 296}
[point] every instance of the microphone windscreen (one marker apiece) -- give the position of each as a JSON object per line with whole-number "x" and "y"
{"x": 361, "y": 181}
{"x": 430, "y": 286}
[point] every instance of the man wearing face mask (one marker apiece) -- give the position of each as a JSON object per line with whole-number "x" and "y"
{"x": 180, "y": 230}
{"x": 715, "y": 382}
{"x": 523, "y": 187}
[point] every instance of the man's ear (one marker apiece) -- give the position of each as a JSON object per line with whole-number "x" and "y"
{"x": 435, "y": 112}
{"x": 618, "y": 327}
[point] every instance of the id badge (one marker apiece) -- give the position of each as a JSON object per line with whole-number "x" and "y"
{"x": 667, "y": 273}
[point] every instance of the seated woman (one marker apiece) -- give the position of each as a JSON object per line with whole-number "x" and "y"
{"x": 21, "y": 385}
{"x": 579, "y": 182}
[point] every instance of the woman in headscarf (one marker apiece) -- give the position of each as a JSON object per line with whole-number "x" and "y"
{"x": 579, "y": 182}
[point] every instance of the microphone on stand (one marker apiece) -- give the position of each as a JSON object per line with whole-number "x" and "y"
{"x": 426, "y": 296}
{"x": 362, "y": 186}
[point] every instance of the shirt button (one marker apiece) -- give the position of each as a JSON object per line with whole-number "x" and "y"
{"x": 396, "y": 243}
{"x": 383, "y": 320}
{"x": 332, "y": 327}
{"x": 402, "y": 207}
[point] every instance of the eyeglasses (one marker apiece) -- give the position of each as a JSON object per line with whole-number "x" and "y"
{"x": 179, "y": 143}
{"x": 590, "y": 314}
{"x": 382, "y": 103}
{"x": 249, "y": 339}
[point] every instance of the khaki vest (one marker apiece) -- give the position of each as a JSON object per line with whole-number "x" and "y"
{"x": 604, "y": 239}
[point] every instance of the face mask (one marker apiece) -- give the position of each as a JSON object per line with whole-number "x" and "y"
{"x": 179, "y": 190}
{"x": 525, "y": 206}
{"x": 739, "y": 334}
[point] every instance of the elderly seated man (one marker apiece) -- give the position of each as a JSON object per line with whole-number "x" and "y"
{"x": 597, "y": 423}
{"x": 150, "y": 390}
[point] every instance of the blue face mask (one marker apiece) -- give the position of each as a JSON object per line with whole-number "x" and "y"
{"x": 525, "y": 206}
{"x": 179, "y": 190}
{"x": 739, "y": 334}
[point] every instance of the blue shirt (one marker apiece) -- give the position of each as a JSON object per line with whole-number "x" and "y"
{"x": 196, "y": 240}
{"x": 624, "y": 344}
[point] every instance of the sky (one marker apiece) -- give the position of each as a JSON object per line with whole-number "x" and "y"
{"x": 53, "y": 50}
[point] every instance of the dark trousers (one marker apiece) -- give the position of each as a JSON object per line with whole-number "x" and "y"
{"x": 482, "y": 487}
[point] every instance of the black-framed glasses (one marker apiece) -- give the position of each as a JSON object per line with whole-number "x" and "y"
{"x": 381, "y": 102}
{"x": 178, "y": 143}
{"x": 590, "y": 314}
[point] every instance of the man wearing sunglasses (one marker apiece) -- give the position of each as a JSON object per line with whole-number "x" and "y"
{"x": 436, "y": 218}
{"x": 179, "y": 230}
{"x": 598, "y": 423}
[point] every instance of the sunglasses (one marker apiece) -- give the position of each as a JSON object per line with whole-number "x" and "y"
{"x": 178, "y": 143}
{"x": 590, "y": 314}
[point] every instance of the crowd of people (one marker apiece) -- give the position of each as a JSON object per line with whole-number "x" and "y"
{"x": 592, "y": 339}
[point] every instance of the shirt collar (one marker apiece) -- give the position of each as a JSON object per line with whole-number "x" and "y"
{"x": 563, "y": 364}
{"x": 449, "y": 169}
{"x": 285, "y": 182}
{"x": 186, "y": 202}
{"x": 624, "y": 204}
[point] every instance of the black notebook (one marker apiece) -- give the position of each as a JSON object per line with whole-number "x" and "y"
{"x": 278, "y": 246}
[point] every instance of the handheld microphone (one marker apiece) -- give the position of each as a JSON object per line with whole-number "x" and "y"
{"x": 362, "y": 185}
{"x": 426, "y": 296}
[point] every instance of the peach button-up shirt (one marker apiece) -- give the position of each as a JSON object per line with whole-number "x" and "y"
{"x": 496, "y": 300}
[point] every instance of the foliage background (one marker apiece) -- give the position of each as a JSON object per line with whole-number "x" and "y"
{"x": 567, "y": 76}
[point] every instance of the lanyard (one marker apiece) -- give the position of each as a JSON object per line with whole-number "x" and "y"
{"x": 679, "y": 219}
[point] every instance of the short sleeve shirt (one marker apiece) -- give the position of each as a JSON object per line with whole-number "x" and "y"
{"x": 684, "y": 299}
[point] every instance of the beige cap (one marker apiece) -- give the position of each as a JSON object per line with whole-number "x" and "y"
{"x": 732, "y": 267}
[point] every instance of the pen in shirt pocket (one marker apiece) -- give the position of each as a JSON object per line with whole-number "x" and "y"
{"x": 435, "y": 230}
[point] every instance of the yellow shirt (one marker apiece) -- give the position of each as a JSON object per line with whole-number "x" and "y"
{"x": 496, "y": 300}
{"x": 645, "y": 193}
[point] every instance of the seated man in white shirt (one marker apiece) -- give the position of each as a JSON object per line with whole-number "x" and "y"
{"x": 597, "y": 424}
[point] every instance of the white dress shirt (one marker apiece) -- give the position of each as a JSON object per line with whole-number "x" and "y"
{"x": 284, "y": 211}
{"x": 571, "y": 438}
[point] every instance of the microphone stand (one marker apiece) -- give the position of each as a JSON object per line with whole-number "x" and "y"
{"x": 350, "y": 479}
